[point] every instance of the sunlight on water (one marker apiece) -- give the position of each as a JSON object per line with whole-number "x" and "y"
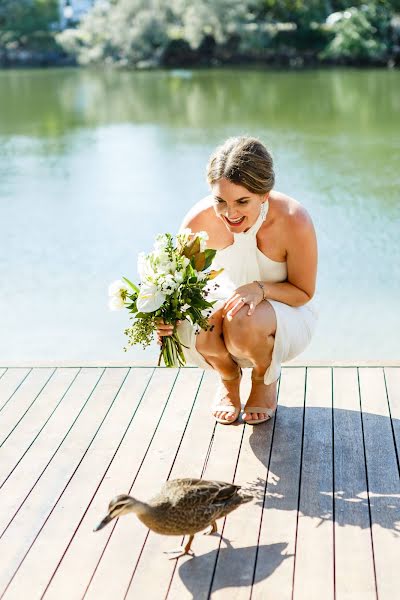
{"x": 94, "y": 164}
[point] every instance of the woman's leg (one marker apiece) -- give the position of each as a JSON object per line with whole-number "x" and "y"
{"x": 211, "y": 346}
{"x": 253, "y": 337}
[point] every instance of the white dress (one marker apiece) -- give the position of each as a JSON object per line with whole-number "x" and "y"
{"x": 243, "y": 262}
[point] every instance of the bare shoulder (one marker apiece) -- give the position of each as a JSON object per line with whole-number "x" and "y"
{"x": 291, "y": 215}
{"x": 196, "y": 218}
{"x": 201, "y": 217}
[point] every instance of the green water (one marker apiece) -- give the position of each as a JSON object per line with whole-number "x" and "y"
{"x": 94, "y": 163}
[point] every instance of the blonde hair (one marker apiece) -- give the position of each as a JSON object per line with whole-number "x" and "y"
{"x": 245, "y": 161}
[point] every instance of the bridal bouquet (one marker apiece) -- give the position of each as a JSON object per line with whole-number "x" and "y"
{"x": 173, "y": 287}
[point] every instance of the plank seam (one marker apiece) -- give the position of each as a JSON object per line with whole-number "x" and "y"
{"x": 300, "y": 478}
{"x": 98, "y": 486}
{"x": 53, "y": 455}
{"x": 265, "y": 492}
{"x": 168, "y": 476}
{"x": 333, "y": 487}
{"x": 17, "y": 388}
{"x": 133, "y": 483}
{"x": 223, "y": 525}
{"x": 391, "y": 424}
{"x": 367, "y": 481}
{"x": 29, "y": 407}
{"x": 40, "y": 431}
{"x": 66, "y": 485}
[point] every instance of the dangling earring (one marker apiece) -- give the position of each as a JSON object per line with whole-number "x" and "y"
{"x": 263, "y": 211}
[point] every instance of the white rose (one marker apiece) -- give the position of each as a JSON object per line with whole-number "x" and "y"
{"x": 150, "y": 298}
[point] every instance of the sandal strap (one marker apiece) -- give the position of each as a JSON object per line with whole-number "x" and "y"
{"x": 225, "y": 408}
{"x": 256, "y": 378}
{"x": 259, "y": 409}
{"x": 239, "y": 374}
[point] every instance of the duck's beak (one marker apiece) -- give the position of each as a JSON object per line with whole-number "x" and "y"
{"x": 103, "y": 523}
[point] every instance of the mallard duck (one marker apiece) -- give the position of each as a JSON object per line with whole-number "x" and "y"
{"x": 182, "y": 507}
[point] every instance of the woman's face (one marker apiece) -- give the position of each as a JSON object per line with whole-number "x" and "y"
{"x": 235, "y": 205}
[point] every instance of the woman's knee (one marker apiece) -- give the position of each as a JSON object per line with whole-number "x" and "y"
{"x": 244, "y": 331}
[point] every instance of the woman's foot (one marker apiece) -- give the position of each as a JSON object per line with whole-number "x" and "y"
{"x": 226, "y": 408}
{"x": 261, "y": 397}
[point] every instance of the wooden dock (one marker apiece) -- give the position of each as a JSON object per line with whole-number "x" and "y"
{"x": 325, "y": 522}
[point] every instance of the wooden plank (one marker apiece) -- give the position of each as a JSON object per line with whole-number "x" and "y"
{"x": 314, "y": 546}
{"x": 354, "y": 568}
{"x": 10, "y": 383}
{"x": 19, "y": 530}
{"x": 383, "y": 481}
{"x": 234, "y": 572}
{"x": 46, "y": 444}
{"x": 123, "y": 544}
{"x": 275, "y": 556}
{"x": 188, "y": 463}
{"x": 19, "y": 439}
{"x": 193, "y": 578}
{"x": 85, "y": 549}
{"x": 55, "y": 535}
{"x": 392, "y": 377}
{"x": 23, "y": 400}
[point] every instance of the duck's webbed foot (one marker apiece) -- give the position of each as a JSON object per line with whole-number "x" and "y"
{"x": 182, "y": 551}
{"x": 212, "y": 529}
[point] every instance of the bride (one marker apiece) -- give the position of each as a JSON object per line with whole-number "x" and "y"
{"x": 266, "y": 244}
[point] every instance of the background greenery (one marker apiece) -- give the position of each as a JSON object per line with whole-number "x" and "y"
{"x": 146, "y": 33}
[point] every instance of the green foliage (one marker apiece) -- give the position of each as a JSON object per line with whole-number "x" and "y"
{"x": 125, "y": 32}
{"x": 27, "y": 22}
{"x": 362, "y": 33}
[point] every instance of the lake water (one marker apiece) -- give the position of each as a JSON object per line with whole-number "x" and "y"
{"x": 93, "y": 164}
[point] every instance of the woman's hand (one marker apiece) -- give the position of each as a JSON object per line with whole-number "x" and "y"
{"x": 250, "y": 294}
{"x": 164, "y": 329}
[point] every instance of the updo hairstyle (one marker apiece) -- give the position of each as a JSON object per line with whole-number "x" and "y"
{"x": 244, "y": 161}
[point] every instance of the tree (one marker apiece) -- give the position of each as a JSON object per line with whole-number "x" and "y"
{"x": 24, "y": 21}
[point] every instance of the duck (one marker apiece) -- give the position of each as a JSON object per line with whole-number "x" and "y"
{"x": 182, "y": 507}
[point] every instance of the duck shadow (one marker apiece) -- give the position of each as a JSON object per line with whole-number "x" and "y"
{"x": 192, "y": 572}
{"x": 336, "y": 480}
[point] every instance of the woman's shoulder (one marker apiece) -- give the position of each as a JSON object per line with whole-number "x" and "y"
{"x": 202, "y": 217}
{"x": 290, "y": 213}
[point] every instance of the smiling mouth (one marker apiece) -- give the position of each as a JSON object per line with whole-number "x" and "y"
{"x": 236, "y": 222}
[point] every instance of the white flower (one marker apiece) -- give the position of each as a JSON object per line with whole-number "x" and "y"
{"x": 161, "y": 242}
{"x": 201, "y": 276}
{"x": 150, "y": 298}
{"x": 168, "y": 284}
{"x": 203, "y": 237}
{"x": 185, "y": 261}
{"x": 115, "y": 288}
{"x": 115, "y": 303}
{"x": 144, "y": 267}
{"x": 185, "y": 307}
{"x": 187, "y": 232}
{"x": 178, "y": 277}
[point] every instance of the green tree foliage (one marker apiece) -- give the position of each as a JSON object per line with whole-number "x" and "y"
{"x": 361, "y": 33}
{"x": 27, "y": 22}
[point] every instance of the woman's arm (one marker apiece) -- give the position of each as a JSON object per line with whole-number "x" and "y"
{"x": 302, "y": 260}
